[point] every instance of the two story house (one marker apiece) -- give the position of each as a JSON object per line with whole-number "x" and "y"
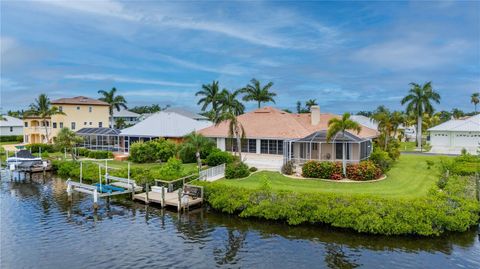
{"x": 80, "y": 112}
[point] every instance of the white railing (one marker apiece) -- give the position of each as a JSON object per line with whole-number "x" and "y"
{"x": 212, "y": 174}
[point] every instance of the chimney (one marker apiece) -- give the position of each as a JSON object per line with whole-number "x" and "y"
{"x": 315, "y": 115}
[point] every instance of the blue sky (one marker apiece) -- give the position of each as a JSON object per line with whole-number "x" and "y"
{"x": 350, "y": 56}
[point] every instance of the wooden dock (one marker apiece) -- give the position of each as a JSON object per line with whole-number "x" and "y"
{"x": 185, "y": 198}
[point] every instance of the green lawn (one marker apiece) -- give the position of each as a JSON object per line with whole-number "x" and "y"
{"x": 9, "y": 143}
{"x": 407, "y": 146}
{"x": 408, "y": 178}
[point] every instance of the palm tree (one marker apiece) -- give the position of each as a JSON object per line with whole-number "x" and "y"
{"x": 418, "y": 102}
{"x": 42, "y": 107}
{"x": 229, "y": 110}
{"x": 385, "y": 123}
{"x": 196, "y": 142}
{"x": 336, "y": 126}
{"x": 255, "y": 92}
{"x": 211, "y": 96}
{"x": 475, "y": 99}
{"x": 115, "y": 101}
{"x": 311, "y": 102}
{"x": 398, "y": 118}
{"x": 457, "y": 113}
{"x": 68, "y": 139}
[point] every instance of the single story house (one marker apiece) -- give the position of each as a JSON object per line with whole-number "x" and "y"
{"x": 129, "y": 117}
{"x": 10, "y": 126}
{"x": 172, "y": 124}
{"x": 273, "y": 137}
{"x": 454, "y": 135}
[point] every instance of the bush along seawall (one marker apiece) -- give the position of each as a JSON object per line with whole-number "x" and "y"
{"x": 450, "y": 204}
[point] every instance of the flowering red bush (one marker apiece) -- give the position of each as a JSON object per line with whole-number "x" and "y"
{"x": 325, "y": 170}
{"x": 336, "y": 176}
{"x": 366, "y": 170}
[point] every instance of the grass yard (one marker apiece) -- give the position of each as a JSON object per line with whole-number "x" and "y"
{"x": 407, "y": 146}
{"x": 408, "y": 178}
{"x": 9, "y": 143}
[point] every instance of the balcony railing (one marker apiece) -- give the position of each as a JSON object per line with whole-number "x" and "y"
{"x": 38, "y": 129}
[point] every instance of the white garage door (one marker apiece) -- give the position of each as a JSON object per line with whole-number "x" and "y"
{"x": 441, "y": 139}
{"x": 469, "y": 139}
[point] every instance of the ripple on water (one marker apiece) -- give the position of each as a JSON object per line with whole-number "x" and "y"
{"x": 41, "y": 229}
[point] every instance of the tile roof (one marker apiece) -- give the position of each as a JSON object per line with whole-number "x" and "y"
{"x": 470, "y": 124}
{"x": 269, "y": 122}
{"x": 79, "y": 100}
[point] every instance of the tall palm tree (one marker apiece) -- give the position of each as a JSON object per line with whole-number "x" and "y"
{"x": 255, "y": 92}
{"x": 42, "y": 107}
{"x": 418, "y": 102}
{"x": 115, "y": 101}
{"x": 210, "y": 96}
{"x": 311, "y": 102}
{"x": 336, "y": 126}
{"x": 229, "y": 110}
{"x": 196, "y": 142}
{"x": 475, "y": 99}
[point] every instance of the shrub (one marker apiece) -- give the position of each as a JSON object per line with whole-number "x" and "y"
{"x": 83, "y": 152}
{"x": 11, "y": 138}
{"x": 325, "y": 170}
{"x": 164, "y": 149}
{"x": 236, "y": 170}
{"x": 173, "y": 169}
{"x": 430, "y": 163}
{"x": 464, "y": 151}
{"x": 35, "y": 148}
{"x": 366, "y": 170}
{"x": 381, "y": 159}
{"x": 287, "y": 168}
{"x": 151, "y": 151}
{"x": 218, "y": 157}
{"x": 188, "y": 155}
{"x": 253, "y": 169}
{"x": 438, "y": 212}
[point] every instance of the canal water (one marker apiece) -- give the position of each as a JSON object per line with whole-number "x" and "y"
{"x": 40, "y": 228}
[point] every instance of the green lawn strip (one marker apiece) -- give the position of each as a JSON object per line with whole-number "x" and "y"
{"x": 407, "y": 146}
{"x": 408, "y": 178}
{"x": 9, "y": 143}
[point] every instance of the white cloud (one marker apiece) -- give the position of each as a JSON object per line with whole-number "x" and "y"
{"x": 228, "y": 69}
{"x": 411, "y": 53}
{"x": 158, "y": 93}
{"x": 119, "y": 78}
{"x": 253, "y": 28}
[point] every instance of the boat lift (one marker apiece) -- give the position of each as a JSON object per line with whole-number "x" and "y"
{"x": 118, "y": 185}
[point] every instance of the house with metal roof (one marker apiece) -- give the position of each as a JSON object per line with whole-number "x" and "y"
{"x": 172, "y": 124}
{"x": 454, "y": 135}
{"x": 128, "y": 117}
{"x": 273, "y": 136}
{"x": 10, "y": 126}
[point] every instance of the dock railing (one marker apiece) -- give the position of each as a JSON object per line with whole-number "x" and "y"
{"x": 213, "y": 173}
{"x": 174, "y": 184}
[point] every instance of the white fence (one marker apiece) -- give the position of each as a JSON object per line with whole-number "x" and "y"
{"x": 212, "y": 174}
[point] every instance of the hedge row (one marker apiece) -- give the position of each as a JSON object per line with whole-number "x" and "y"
{"x": 365, "y": 170}
{"x": 440, "y": 211}
{"x": 94, "y": 154}
{"x": 11, "y": 138}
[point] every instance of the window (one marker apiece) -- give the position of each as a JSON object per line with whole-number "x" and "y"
{"x": 11, "y": 129}
{"x": 89, "y": 109}
{"x": 85, "y": 123}
{"x": 252, "y": 145}
{"x": 73, "y": 125}
{"x": 271, "y": 147}
{"x": 60, "y": 108}
{"x": 314, "y": 146}
{"x": 26, "y": 124}
{"x": 61, "y": 125}
{"x": 78, "y": 108}
{"x": 54, "y": 125}
{"x": 100, "y": 124}
{"x": 90, "y": 123}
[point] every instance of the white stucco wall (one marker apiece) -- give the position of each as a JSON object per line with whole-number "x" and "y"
{"x": 453, "y": 142}
{"x": 16, "y": 130}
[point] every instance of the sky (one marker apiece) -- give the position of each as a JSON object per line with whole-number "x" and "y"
{"x": 349, "y": 56}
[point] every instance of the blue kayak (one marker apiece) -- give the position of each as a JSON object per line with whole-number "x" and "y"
{"x": 108, "y": 188}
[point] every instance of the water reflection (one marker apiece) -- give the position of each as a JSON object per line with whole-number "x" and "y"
{"x": 145, "y": 236}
